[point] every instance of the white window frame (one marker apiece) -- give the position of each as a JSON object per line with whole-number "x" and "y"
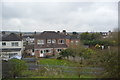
{"x": 72, "y": 42}
{"x": 12, "y": 54}
{"x": 49, "y": 41}
{"x": 76, "y": 42}
{"x": 15, "y": 44}
{"x": 5, "y": 44}
{"x": 61, "y": 41}
{"x": 53, "y": 41}
{"x": 40, "y": 42}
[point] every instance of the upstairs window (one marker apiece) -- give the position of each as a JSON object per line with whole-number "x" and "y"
{"x": 40, "y": 41}
{"x": 49, "y": 41}
{"x": 53, "y": 41}
{"x": 77, "y": 42}
{"x": 14, "y": 43}
{"x": 3, "y": 43}
{"x": 61, "y": 41}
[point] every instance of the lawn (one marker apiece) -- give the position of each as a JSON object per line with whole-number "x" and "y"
{"x": 54, "y": 68}
{"x": 56, "y": 62}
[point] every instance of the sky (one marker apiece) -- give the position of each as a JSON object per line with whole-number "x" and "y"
{"x": 57, "y": 16}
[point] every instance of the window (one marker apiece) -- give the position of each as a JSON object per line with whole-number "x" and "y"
{"x": 32, "y": 50}
{"x": 71, "y": 42}
{"x": 40, "y": 41}
{"x": 14, "y": 43}
{"x": 59, "y": 50}
{"x": 4, "y": 43}
{"x": 61, "y": 41}
{"x": 41, "y": 52}
{"x": 77, "y": 42}
{"x": 12, "y": 54}
{"x": 48, "y": 51}
{"x": 48, "y": 41}
{"x": 53, "y": 41}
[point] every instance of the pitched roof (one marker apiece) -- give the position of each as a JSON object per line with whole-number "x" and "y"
{"x": 11, "y": 37}
{"x": 74, "y": 37}
{"x": 28, "y": 36}
{"x": 50, "y": 35}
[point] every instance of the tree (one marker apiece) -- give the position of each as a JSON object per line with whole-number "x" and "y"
{"x": 86, "y": 53}
{"x": 90, "y": 36}
{"x": 66, "y": 53}
{"x": 107, "y": 59}
{"x": 16, "y": 67}
{"x": 111, "y": 58}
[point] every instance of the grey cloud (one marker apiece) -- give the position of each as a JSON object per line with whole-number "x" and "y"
{"x": 58, "y": 16}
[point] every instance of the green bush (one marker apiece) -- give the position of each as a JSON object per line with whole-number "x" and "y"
{"x": 16, "y": 67}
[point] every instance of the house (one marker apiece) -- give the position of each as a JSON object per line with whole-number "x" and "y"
{"x": 11, "y": 45}
{"x": 28, "y": 39}
{"x": 52, "y": 43}
{"x": 106, "y": 34}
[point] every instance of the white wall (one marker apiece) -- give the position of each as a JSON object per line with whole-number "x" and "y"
{"x": 6, "y": 57}
{"x": 9, "y": 44}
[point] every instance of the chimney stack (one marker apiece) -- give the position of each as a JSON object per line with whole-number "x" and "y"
{"x": 3, "y": 32}
{"x": 21, "y": 35}
{"x": 58, "y": 31}
{"x": 64, "y": 32}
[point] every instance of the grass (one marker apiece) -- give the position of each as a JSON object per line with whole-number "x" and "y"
{"x": 66, "y": 63}
{"x": 55, "y": 62}
{"x": 51, "y": 71}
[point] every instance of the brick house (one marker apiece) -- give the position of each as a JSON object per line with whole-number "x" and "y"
{"x": 51, "y": 43}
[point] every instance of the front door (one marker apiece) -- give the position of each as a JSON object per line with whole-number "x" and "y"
{"x": 41, "y": 53}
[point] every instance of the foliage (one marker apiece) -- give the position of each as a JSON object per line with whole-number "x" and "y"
{"x": 86, "y": 53}
{"x": 97, "y": 46}
{"x": 16, "y": 67}
{"x": 66, "y": 52}
{"x": 107, "y": 59}
{"x": 89, "y": 36}
{"x": 78, "y": 51}
{"x": 100, "y": 42}
{"x": 92, "y": 39}
{"x": 111, "y": 63}
{"x": 54, "y": 68}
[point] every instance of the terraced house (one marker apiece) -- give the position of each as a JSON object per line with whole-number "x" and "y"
{"x": 51, "y": 43}
{"x": 11, "y": 45}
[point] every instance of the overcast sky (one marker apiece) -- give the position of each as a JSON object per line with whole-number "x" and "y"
{"x": 50, "y": 16}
